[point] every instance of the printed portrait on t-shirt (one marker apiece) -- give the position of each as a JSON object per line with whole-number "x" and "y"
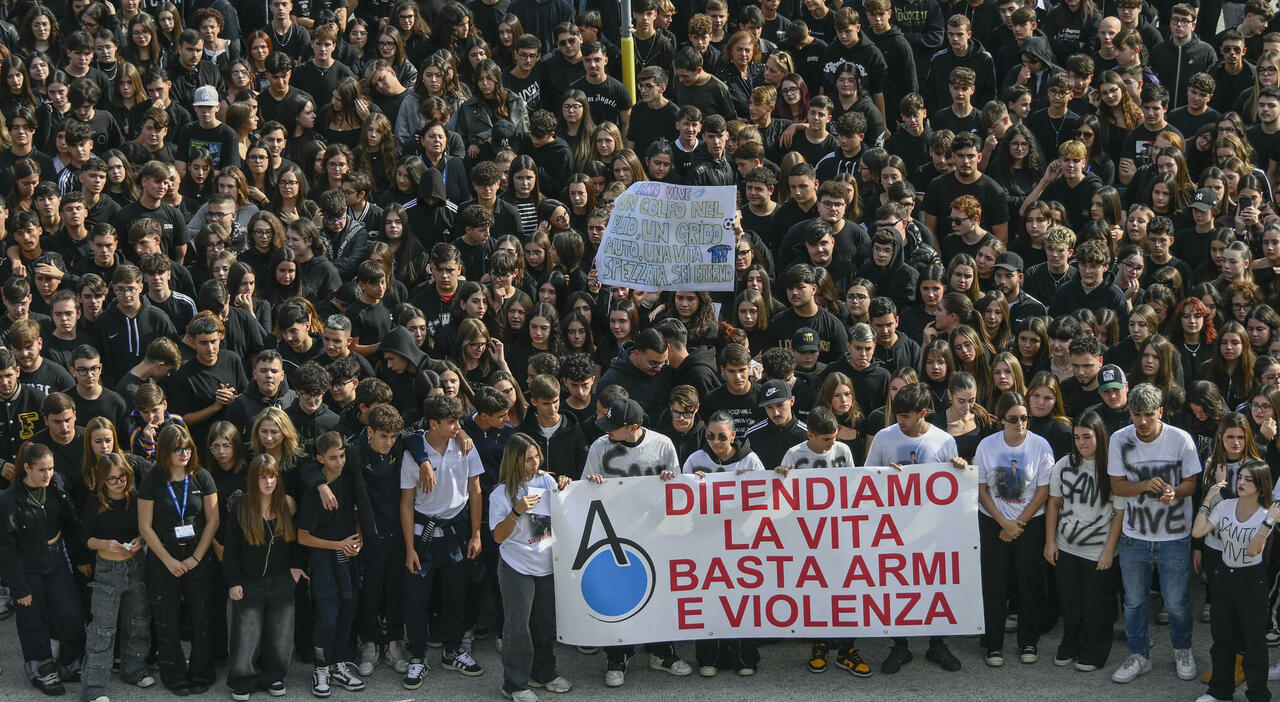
{"x": 1010, "y": 481}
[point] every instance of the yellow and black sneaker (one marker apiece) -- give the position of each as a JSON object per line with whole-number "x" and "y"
{"x": 850, "y": 660}
{"x": 818, "y": 658}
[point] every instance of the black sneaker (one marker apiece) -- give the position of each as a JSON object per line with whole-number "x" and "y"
{"x": 48, "y": 681}
{"x": 462, "y": 662}
{"x": 898, "y": 657}
{"x": 818, "y": 658}
{"x": 940, "y": 654}
{"x": 414, "y": 676}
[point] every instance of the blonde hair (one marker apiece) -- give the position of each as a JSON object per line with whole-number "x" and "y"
{"x": 290, "y": 445}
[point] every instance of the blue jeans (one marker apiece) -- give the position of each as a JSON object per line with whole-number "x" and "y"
{"x": 119, "y": 595}
{"x": 1137, "y": 557}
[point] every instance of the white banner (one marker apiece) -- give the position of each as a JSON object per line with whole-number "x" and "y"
{"x": 669, "y": 237}
{"x": 822, "y": 553}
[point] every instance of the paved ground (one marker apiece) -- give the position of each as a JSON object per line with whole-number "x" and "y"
{"x": 782, "y": 676}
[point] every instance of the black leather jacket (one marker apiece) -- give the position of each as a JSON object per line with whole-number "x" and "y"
{"x": 25, "y": 533}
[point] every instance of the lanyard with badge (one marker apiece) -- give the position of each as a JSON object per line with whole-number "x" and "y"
{"x": 183, "y": 531}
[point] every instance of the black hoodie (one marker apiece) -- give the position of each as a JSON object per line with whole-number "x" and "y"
{"x": 565, "y": 452}
{"x": 699, "y": 370}
{"x": 408, "y": 389}
{"x": 937, "y": 89}
{"x": 865, "y": 56}
{"x": 897, "y": 53}
{"x": 1037, "y": 46}
{"x": 896, "y": 281}
{"x": 686, "y": 443}
{"x": 649, "y": 390}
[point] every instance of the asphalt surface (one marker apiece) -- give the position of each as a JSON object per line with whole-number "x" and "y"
{"x": 783, "y": 675}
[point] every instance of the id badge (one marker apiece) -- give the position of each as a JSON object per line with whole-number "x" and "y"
{"x": 184, "y": 532}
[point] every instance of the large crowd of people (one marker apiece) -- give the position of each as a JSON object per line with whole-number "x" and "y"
{"x": 301, "y": 323}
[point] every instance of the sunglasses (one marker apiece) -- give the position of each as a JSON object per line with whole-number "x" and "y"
{"x": 717, "y": 437}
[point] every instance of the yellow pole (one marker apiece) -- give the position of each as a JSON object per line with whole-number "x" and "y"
{"x": 629, "y": 65}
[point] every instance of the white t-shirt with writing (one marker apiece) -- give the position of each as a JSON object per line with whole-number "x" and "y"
{"x": 453, "y": 470}
{"x": 528, "y": 549}
{"x": 1012, "y": 474}
{"x": 1172, "y": 457}
{"x": 1235, "y": 534}
{"x": 651, "y": 455}
{"x": 890, "y": 445}
{"x": 1084, "y": 520}
{"x": 801, "y": 456}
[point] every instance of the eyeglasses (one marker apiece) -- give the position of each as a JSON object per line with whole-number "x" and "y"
{"x": 1019, "y": 145}
{"x": 1240, "y": 306}
{"x": 567, "y": 42}
{"x": 478, "y": 346}
{"x": 1271, "y": 378}
{"x": 717, "y": 437}
{"x": 88, "y": 370}
{"x": 257, "y": 157}
{"x": 116, "y": 480}
{"x": 958, "y": 220}
{"x": 682, "y": 414}
{"x": 857, "y": 296}
{"x": 656, "y": 365}
{"x": 791, "y": 89}
{"x": 387, "y": 43}
{"x": 1018, "y": 419}
{"x": 217, "y": 215}
{"x": 1266, "y": 69}
{"x": 185, "y": 449}
{"x": 834, "y": 204}
{"x": 1132, "y": 266}
{"x": 290, "y": 183}
{"x": 140, "y": 34}
{"x": 1232, "y": 49}
{"x": 1260, "y": 406}
{"x": 1179, "y": 21}
{"x": 742, "y": 253}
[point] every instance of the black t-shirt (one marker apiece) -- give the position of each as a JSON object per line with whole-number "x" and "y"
{"x": 1266, "y": 145}
{"x": 648, "y": 124}
{"x": 832, "y": 335}
{"x": 166, "y": 514}
{"x": 192, "y": 387}
{"x": 608, "y": 100}
{"x": 745, "y": 409}
{"x": 319, "y": 81}
{"x": 945, "y": 118}
{"x": 529, "y": 89}
{"x": 336, "y": 524}
{"x": 475, "y": 257}
{"x": 369, "y": 323}
{"x": 173, "y": 225}
{"x": 109, "y": 404}
{"x": 1140, "y": 143}
{"x": 812, "y": 152}
{"x": 943, "y": 189}
{"x": 221, "y": 141}
{"x": 48, "y": 378}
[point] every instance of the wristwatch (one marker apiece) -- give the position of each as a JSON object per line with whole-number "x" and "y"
{"x": 1269, "y": 523}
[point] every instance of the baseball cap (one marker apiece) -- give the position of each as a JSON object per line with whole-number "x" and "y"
{"x": 1110, "y": 378}
{"x": 622, "y": 413}
{"x": 205, "y": 96}
{"x": 805, "y": 339}
{"x": 1009, "y": 261}
{"x": 1205, "y": 199}
{"x": 774, "y": 392}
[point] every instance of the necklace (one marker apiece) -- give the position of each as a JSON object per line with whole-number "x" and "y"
{"x": 1192, "y": 351}
{"x": 44, "y": 497}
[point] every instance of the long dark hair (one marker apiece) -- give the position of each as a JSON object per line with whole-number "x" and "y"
{"x": 1091, "y": 421}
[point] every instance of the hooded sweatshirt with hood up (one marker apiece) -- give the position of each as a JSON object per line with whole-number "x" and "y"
{"x": 408, "y": 389}
{"x": 1037, "y": 46}
{"x": 706, "y": 460}
{"x": 896, "y": 281}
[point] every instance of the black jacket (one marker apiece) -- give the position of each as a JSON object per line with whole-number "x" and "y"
{"x": 649, "y": 390}
{"x": 771, "y": 442}
{"x": 243, "y": 561}
{"x": 244, "y": 410}
{"x": 25, "y": 534}
{"x": 937, "y": 86}
{"x": 1176, "y": 64}
{"x": 565, "y": 453}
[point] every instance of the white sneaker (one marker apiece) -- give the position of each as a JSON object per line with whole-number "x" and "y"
{"x": 396, "y": 658}
{"x": 345, "y": 674}
{"x": 104, "y": 698}
{"x": 674, "y": 665}
{"x": 1274, "y": 673}
{"x": 519, "y": 695}
{"x": 1206, "y": 697}
{"x": 235, "y": 697}
{"x": 146, "y": 681}
{"x": 320, "y": 681}
{"x": 557, "y": 685}
{"x": 1136, "y": 664}
{"x": 708, "y": 671}
{"x": 1206, "y": 613}
{"x": 368, "y": 658}
{"x": 1184, "y": 663}
{"x": 614, "y": 678}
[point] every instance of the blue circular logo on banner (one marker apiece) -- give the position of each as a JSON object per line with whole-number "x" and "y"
{"x": 615, "y": 591}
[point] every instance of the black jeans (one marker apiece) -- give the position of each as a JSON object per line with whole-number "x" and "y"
{"x": 1020, "y": 559}
{"x": 454, "y": 581}
{"x": 1239, "y": 624}
{"x": 617, "y": 655}
{"x": 1088, "y": 599}
{"x": 54, "y": 612}
{"x": 380, "y": 613}
{"x": 174, "y": 600}
{"x": 728, "y": 654}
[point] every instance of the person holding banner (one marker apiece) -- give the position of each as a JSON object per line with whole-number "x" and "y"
{"x": 628, "y": 450}
{"x": 912, "y": 439}
{"x": 1014, "y": 468}
{"x": 1239, "y": 622}
{"x": 520, "y": 519}
{"x": 1082, "y": 532}
{"x": 724, "y": 453}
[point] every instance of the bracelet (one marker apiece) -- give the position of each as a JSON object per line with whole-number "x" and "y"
{"x": 194, "y": 556}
